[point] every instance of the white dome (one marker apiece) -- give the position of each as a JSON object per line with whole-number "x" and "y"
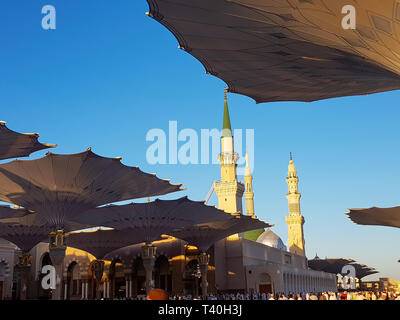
{"x": 271, "y": 239}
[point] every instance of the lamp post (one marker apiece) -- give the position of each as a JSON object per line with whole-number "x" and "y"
{"x": 57, "y": 248}
{"x": 149, "y": 259}
{"x": 204, "y": 260}
{"x": 197, "y": 276}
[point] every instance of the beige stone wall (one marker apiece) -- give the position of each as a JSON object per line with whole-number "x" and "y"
{"x": 247, "y": 264}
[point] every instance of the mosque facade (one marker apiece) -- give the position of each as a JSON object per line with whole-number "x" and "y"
{"x": 255, "y": 262}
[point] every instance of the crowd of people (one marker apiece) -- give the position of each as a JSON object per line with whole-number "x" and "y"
{"x": 346, "y": 295}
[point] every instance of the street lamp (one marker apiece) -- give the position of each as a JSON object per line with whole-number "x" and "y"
{"x": 197, "y": 275}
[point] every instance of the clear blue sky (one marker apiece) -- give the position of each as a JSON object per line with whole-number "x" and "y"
{"x": 108, "y": 74}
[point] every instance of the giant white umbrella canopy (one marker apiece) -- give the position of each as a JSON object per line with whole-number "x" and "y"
{"x": 14, "y": 144}
{"x": 282, "y": 50}
{"x": 30, "y": 229}
{"x": 61, "y": 187}
{"x": 335, "y": 266}
{"x": 8, "y": 212}
{"x": 169, "y": 247}
{"x": 16, "y": 227}
{"x": 204, "y": 235}
{"x": 363, "y": 270}
{"x": 331, "y": 265}
{"x": 389, "y": 217}
{"x": 148, "y": 221}
{"x": 101, "y": 242}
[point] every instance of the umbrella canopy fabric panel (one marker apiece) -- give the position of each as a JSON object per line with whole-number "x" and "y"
{"x": 169, "y": 248}
{"x": 148, "y": 221}
{"x": 37, "y": 220}
{"x": 29, "y": 230}
{"x": 389, "y": 217}
{"x": 363, "y": 270}
{"x": 318, "y": 264}
{"x": 7, "y": 212}
{"x": 60, "y": 187}
{"x": 101, "y": 242}
{"x": 332, "y": 265}
{"x": 23, "y": 236}
{"x": 287, "y": 50}
{"x": 335, "y": 266}
{"x": 14, "y": 144}
{"x": 203, "y": 236}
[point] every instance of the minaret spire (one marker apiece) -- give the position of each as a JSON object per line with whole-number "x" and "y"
{"x": 247, "y": 170}
{"x": 295, "y": 220}
{"x": 248, "y": 194}
{"x": 292, "y": 170}
{"x": 249, "y": 197}
{"x": 229, "y": 190}
{"x": 226, "y": 126}
{"x": 226, "y": 137}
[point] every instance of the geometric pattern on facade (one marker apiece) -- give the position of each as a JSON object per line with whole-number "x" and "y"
{"x": 282, "y": 50}
{"x": 60, "y": 187}
{"x": 14, "y": 144}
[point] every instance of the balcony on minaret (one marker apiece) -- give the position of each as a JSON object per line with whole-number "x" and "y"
{"x": 228, "y": 158}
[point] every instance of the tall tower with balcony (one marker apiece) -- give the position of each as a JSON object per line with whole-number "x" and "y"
{"x": 295, "y": 220}
{"x": 229, "y": 190}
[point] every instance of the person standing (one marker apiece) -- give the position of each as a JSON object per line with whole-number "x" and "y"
{"x": 313, "y": 296}
{"x": 272, "y": 297}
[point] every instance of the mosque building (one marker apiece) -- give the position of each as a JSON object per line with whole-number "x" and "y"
{"x": 254, "y": 261}
{"x": 258, "y": 260}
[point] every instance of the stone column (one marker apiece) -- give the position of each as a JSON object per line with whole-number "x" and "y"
{"x": 57, "y": 249}
{"x": 86, "y": 289}
{"x": 98, "y": 270}
{"x": 105, "y": 295}
{"x": 128, "y": 286}
{"x": 83, "y": 290}
{"x": 204, "y": 259}
{"x": 57, "y": 258}
{"x": 65, "y": 290}
{"x": 24, "y": 266}
{"x": 149, "y": 259}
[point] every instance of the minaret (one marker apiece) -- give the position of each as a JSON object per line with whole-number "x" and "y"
{"x": 228, "y": 190}
{"x": 295, "y": 220}
{"x": 248, "y": 194}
